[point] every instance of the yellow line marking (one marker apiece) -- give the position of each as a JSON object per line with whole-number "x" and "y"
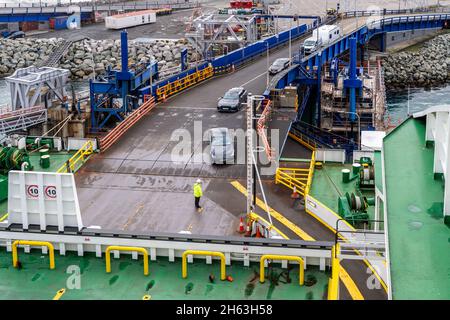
{"x": 375, "y": 272}
{"x": 294, "y": 228}
{"x": 59, "y": 294}
{"x": 350, "y": 285}
{"x": 383, "y": 284}
{"x": 4, "y": 217}
{"x": 344, "y": 276}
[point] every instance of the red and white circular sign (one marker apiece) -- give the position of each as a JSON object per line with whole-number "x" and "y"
{"x": 50, "y": 192}
{"x": 33, "y": 191}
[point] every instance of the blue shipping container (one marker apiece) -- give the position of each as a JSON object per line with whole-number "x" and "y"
{"x": 61, "y": 22}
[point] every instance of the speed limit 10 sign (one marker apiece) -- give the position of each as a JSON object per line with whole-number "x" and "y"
{"x": 32, "y": 192}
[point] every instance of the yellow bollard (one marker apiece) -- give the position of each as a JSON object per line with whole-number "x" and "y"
{"x": 59, "y": 294}
{"x": 203, "y": 253}
{"x": 301, "y": 277}
{"x": 51, "y": 249}
{"x": 120, "y": 248}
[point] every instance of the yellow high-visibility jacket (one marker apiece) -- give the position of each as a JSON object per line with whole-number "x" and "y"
{"x": 198, "y": 190}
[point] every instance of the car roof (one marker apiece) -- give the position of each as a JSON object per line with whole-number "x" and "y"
{"x": 237, "y": 89}
{"x": 219, "y": 130}
{"x": 282, "y": 59}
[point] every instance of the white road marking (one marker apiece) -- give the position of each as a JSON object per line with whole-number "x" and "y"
{"x": 262, "y": 74}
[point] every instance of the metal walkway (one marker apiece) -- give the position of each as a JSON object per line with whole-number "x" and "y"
{"x": 55, "y": 57}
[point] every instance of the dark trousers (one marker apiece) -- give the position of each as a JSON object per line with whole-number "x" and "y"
{"x": 197, "y": 202}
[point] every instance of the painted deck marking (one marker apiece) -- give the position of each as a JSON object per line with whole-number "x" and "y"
{"x": 4, "y": 217}
{"x": 343, "y": 275}
{"x": 350, "y": 285}
{"x": 275, "y": 214}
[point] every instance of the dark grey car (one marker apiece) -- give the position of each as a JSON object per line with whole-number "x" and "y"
{"x": 232, "y": 100}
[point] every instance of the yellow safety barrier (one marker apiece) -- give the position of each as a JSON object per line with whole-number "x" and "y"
{"x": 310, "y": 173}
{"x": 333, "y": 283}
{"x": 119, "y": 248}
{"x": 301, "y": 276}
{"x": 183, "y": 83}
{"x": 304, "y": 140}
{"x": 203, "y": 253}
{"x": 78, "y": 158}
{"x": 51, "y": 250}
{"x": 292, "y": 178}
{"x": 299, "y": 180}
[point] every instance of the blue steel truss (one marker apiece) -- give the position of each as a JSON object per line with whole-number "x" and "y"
{"x": 363, "y": 36}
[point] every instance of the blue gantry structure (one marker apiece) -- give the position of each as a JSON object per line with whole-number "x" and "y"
{"x": 119, "y": 91}
{"x": 130, "y": 87}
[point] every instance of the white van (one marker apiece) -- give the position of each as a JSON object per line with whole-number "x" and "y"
{"x": 322, "y": 37}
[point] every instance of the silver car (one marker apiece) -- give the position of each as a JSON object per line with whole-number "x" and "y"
{"x": 222, "y": 146}
{"x": 279, "y": 65}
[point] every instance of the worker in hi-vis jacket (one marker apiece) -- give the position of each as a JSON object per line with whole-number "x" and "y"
{"x": 198, "y": 193}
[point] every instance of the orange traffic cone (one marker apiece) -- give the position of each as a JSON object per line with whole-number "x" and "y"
{"x": 241, "y": 225}
{"x": 248, "y": 232}
{"x": 295, "y": 194}
{"x": 258, "y": 233}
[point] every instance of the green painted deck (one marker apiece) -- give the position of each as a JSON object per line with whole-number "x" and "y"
{"x": 57, "y": 159}
{"x": 327, "y": 186}
{"x": 127, "y": 282}
{"x": 419, "y": 241}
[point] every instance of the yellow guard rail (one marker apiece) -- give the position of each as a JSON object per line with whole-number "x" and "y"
{"x": 292, "y": 178}
{"x": 51, "y": 250}
{"x": 310, "y": 173}
{"x": 133, "y": 249}
{"x": 203, "y": 253}
{"x": 78, "y": 159}
{"x": 183, "y": 83}
{"x": 301, "y": 276}
{"x": 333, "y": 283}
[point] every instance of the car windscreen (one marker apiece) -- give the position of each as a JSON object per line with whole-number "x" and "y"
{"x": 231, "y": 95}
{"x": 310, "y": 43}
{"x": 279, "y": 63}
{"x": 221, "y": 140}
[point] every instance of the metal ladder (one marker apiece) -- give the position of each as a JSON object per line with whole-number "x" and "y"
{"x": 54, "y": 58}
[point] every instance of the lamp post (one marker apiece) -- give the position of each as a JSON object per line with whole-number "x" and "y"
{"x": 268, "y": 64}
{"x": 290, "y": 42}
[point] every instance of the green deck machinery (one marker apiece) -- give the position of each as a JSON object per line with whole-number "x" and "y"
{"x": 11, "y": 158}
{"x": 353, "y": 208}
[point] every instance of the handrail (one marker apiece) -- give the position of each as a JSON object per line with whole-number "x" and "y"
{"x": 310, "y": 173}
{"x": 301, "y": 277}
{"x": 183, "y": 83}
{"x": 112, "y": 136}
{"x": 70, "y": 166}
{"x": 293, "y": 181}
{"x": 203, "y": 253}
{"x": 333, "y": 283}
{"x": 303, "y": 140}
{"x": 51, "y": 250}
{"x": 120, "y": 248}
